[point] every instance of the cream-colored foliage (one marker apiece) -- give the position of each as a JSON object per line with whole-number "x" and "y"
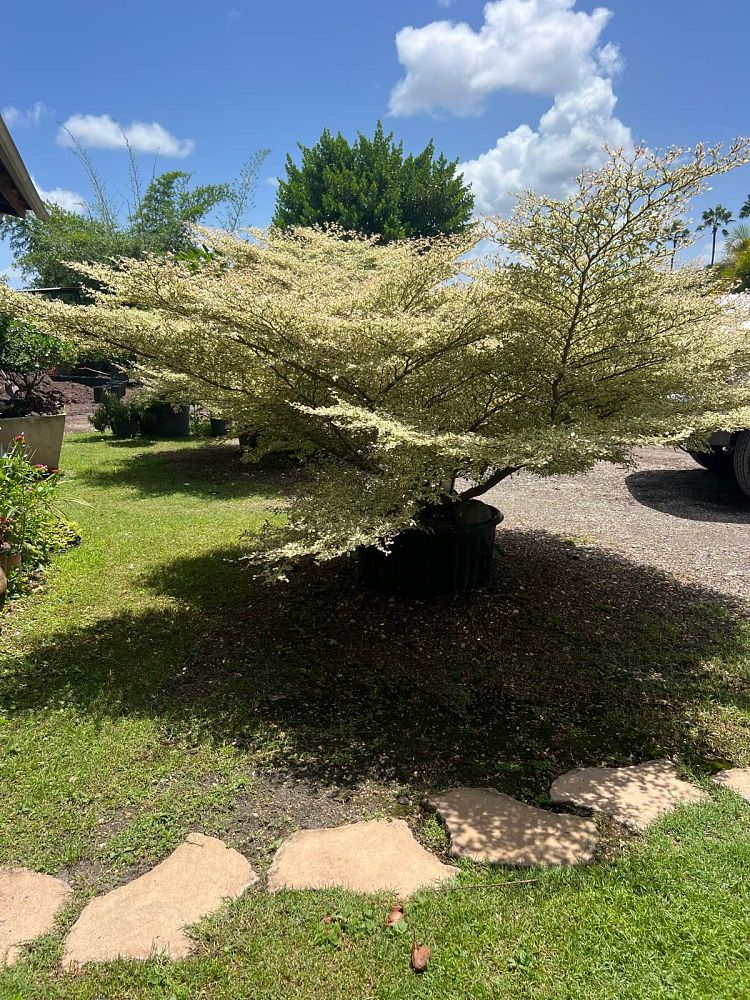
{"x": 398, "y": 367}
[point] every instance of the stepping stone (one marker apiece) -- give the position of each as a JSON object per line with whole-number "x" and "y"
{"x": 374, "y": 856}
{"x": 148, "y": 915}
{"x": 493, "y": 828}
{"x": 736, "y": 778}
{"x": 635, "y": 796}
{"x": 29, "y": 903}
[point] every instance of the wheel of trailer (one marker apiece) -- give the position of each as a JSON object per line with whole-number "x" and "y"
{"x": 742, "y": 461}
{"x": 717, "y": 460}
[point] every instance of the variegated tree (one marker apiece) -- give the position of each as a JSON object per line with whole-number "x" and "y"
{"x": 398, "y": 369}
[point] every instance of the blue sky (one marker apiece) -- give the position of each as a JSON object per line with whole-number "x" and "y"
{"x": 522, "y": 91}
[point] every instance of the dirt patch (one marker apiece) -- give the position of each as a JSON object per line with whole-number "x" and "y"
{"x": 281, "y": 805}
{"x": 79, "y": 404}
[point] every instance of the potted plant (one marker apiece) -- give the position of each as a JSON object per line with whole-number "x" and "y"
{"x": 416, "y": 376}
{"x": 140, "y": 416}
{"x": 160, "y": 419}
{"x": 32, "y": 408}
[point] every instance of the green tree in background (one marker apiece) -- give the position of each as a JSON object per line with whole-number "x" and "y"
{"x": 157, "y": 221}
{"x": 736, "y": 263}
{"x": 169, "y": 205}
{"x": 370, "y": 187}
{"x": 745, "y": 210}
{"x": 716, "y": 219}
{"x": 679, "y": 236}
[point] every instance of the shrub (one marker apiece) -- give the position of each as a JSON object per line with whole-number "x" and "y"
{"x": 399, "y": 367}
{"x": 115, "y": 414}
{"x": 31, "y": 520}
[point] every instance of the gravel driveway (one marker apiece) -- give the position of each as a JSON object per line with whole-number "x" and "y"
{"x": 668, "y": 513}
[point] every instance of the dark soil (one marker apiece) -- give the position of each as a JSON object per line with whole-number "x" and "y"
{"x": 281, "y": 804}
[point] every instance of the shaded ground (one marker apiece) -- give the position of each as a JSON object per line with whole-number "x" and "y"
{"x": 157, "y": 688}
{"x": 667, "y": 513}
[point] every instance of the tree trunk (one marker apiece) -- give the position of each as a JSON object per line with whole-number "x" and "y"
{"x": 713, "y": 245}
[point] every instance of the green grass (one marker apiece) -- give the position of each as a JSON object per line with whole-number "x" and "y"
{"x": 155, "y": 688}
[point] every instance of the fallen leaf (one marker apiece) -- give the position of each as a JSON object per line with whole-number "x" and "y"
{"x": 420, "y": 956}
{"x": 396, "y": 914}
{"x": 328, "y": 919}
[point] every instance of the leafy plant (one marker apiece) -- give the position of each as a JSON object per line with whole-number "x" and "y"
{"x": 31, "y": 519}
{"x": 115, "y": 414}
{"x": 735, "y": 266}
{"x": 398, "y": 368}
{"x": 371, "y": 187}
{"x": 26, "y": 357}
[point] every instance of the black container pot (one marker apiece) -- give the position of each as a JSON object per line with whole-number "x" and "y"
{"x": 452, "y": 554}
{"x": 219, "y": 428}
{"x": 161, "y": 421}
{"x": 248, "y": 440}
{"x": 116, "y": 387}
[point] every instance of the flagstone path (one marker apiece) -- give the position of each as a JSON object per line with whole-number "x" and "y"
{"x": 374, "y": 856}
{"x": 736, "y": 778}
{"x": 29, "y": 903}
{"x": 490, "y": 827}
{"x": 635, "y": 795}
{"x": 148, "y": 915}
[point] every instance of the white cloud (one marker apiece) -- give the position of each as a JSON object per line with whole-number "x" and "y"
{"x": 71, "y": 201}
{"x": 542, "y": 47}
{"x": 233, "y": 13}
{"x": 103, "y": 132}
{"x": 570, "y": 137}
{"x": 29, "y": 116}
{"x": 272, "y": 182}
{"x": 537, "y": 46}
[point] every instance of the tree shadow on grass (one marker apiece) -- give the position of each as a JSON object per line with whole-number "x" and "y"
{"x": 566, "y": 659}
{"x": 202, "y": 469}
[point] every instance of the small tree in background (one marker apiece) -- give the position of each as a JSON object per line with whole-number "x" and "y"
{"x": 679, "y": 236}
{"x": 735, "y": 266}
{"x": 745, "y": 210}
{"x": 717, "y": 220}
{"x": 370, "y": 187}
{"x": 158, "y": 221}
{"x": 394, "y": 377}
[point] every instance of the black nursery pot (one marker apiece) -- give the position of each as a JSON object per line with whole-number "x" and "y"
{"x": 451, "y": 554}
{"x": 161, "y": 421}
{"x": 219, "y": 427}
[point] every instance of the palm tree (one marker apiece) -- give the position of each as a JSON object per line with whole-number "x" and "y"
{"x": 678, "y": 235}
{"x": 736, "y": 263}
{"x": 716, "y": 219}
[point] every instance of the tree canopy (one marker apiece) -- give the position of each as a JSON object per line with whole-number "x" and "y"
{"x": 397, "y": 367}
{"x": 735, "y": 266}
{"x": 159, "y": 221}
{"x": 370, "y": 187}
{"x": 716, "y": 220}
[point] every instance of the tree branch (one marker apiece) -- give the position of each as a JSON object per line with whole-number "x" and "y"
{"x": 495, "y": 478}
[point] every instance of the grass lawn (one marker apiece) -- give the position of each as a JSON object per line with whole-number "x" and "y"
{"x": 155, "y": 688}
